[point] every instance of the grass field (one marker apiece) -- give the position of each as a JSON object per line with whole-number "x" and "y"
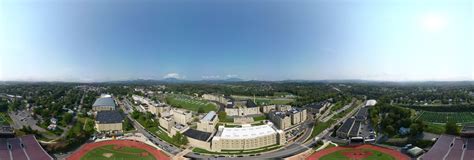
{"x": 265, "y": 100}
{"x": 190, "y": 103}
{"x": 375, "y": 155}
{"x": 443, "y": 117}
{"x": 123, "y": 153}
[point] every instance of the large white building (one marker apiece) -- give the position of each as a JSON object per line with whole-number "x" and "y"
{"x": 247, "y": 137}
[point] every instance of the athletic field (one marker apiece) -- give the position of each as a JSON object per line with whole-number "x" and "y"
{"x": 190, "y": 103}
{"x": 117, "y": 150}
{"x": 443, "y": 117}
{"x": 362, "y": 152}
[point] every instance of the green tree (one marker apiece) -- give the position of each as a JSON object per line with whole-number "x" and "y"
{"x": 67, "y": 118}
{"x": 180, "y": 139}
{"x": 222, "y": 116}
{"x": 452, "y": 128}
{"x": 127, "y": 124}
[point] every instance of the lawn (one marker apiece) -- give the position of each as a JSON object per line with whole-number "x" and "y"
{"x": 259, "y": 118}
{"x": 123, "y": 153}
{"x": 443, "y": 117}
{"x": 265, "y": 100}
{"x": 190, "y": 103}
{"x": 435, "y": 128}
{"x": 320, "y": 127}
{"x": 376, "y": 155}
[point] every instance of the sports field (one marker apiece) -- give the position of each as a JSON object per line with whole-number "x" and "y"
{"x": 443, "y": 117}
{"x": 117, "y": 152}
{"x": 362, "y": 152}
{"x": 365, "y": 154}
{"x": 190, "y": 103}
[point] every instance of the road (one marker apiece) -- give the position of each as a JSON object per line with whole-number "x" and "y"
{"x": 170, "y": 149}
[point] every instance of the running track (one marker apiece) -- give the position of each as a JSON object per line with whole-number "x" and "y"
{"x": 394, "y": 153}
{"x": 127, "y": 143}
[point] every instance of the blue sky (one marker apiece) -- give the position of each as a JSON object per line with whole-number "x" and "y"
{"x": 263, "y": 40}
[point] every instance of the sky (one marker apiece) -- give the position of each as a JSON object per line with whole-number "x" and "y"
{"x": 89, "y": 40}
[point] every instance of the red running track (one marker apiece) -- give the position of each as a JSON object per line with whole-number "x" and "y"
{"x": 397, "y": 155}
{"x": 126, "y": 143}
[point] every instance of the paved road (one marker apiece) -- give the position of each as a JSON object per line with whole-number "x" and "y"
{"x": 170, "y": 149}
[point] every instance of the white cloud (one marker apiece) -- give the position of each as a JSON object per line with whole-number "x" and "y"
{"x": 211, "y": 77}
{"x": 174, "y": 75}
{"x": 231, "y": 75}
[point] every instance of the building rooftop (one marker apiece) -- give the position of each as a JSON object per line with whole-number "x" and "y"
{"x": 104, "y": 117}
{"x": 209, "y": 116}
{"x": 196, "y": 134}
{"x": 246, "y": 132}
{"x": 104, "y": 101}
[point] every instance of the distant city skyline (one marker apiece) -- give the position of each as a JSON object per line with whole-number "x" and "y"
{"x": 110, "y": 40}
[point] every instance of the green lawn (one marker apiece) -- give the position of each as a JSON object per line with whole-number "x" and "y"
{"x": 320, "y": 127}
{"x": 376, "y": 155}
{"x": 259, "y": 118}
{"x": 435, "y": 128}
{"x": 265, "y": 100}
{"x": 189, "y": 103}
{"x": 443, "y": 117}
{"x": 124, "y": 153}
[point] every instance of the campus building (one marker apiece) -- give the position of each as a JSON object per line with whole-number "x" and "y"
{"x": 208, "y": 122}
{"x": 170, "y": 125}
{"x": 241, "y": 108}
{"x": 181, "y": 116}
{"x": 148, "y": 105}
{"x": 275, "y": 107}
{"x": 216, "y": 98}
{"x": 108, "y": 121}
{"x": 104, "y": 103}
{"x": 286, "y": 119}
{"x": 317, "y": 108}
{"x": 247, "y": 137}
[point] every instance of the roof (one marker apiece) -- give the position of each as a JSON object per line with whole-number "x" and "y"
{"x": 104, "y": 101}
{"x": 196, "y": 134}
{"x": 246, "y": 132}
{"x": 109, "y": 117}
{"x": 209, "y": 116}
{"x": 346, "y": 126}
{"x": 467, "y": 129}
{"x": 362, "y": 113}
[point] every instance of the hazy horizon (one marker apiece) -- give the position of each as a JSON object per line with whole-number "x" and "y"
{"x": 97, "y": 41}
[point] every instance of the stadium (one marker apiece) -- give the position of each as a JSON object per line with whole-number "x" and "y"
{"x": 22, "y": 148}
{"x": 361, "y": 152}
{"x": 113, "y": 149}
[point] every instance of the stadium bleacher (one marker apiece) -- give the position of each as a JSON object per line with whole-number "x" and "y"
{"x": 4, "y": 152}
{"x": 469, "y": 152}
{"x": 451, "y": 148}
{"x": 456, "y": 150}
{"x": 440, "y": 148}
{"x": 22, "y": 148}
